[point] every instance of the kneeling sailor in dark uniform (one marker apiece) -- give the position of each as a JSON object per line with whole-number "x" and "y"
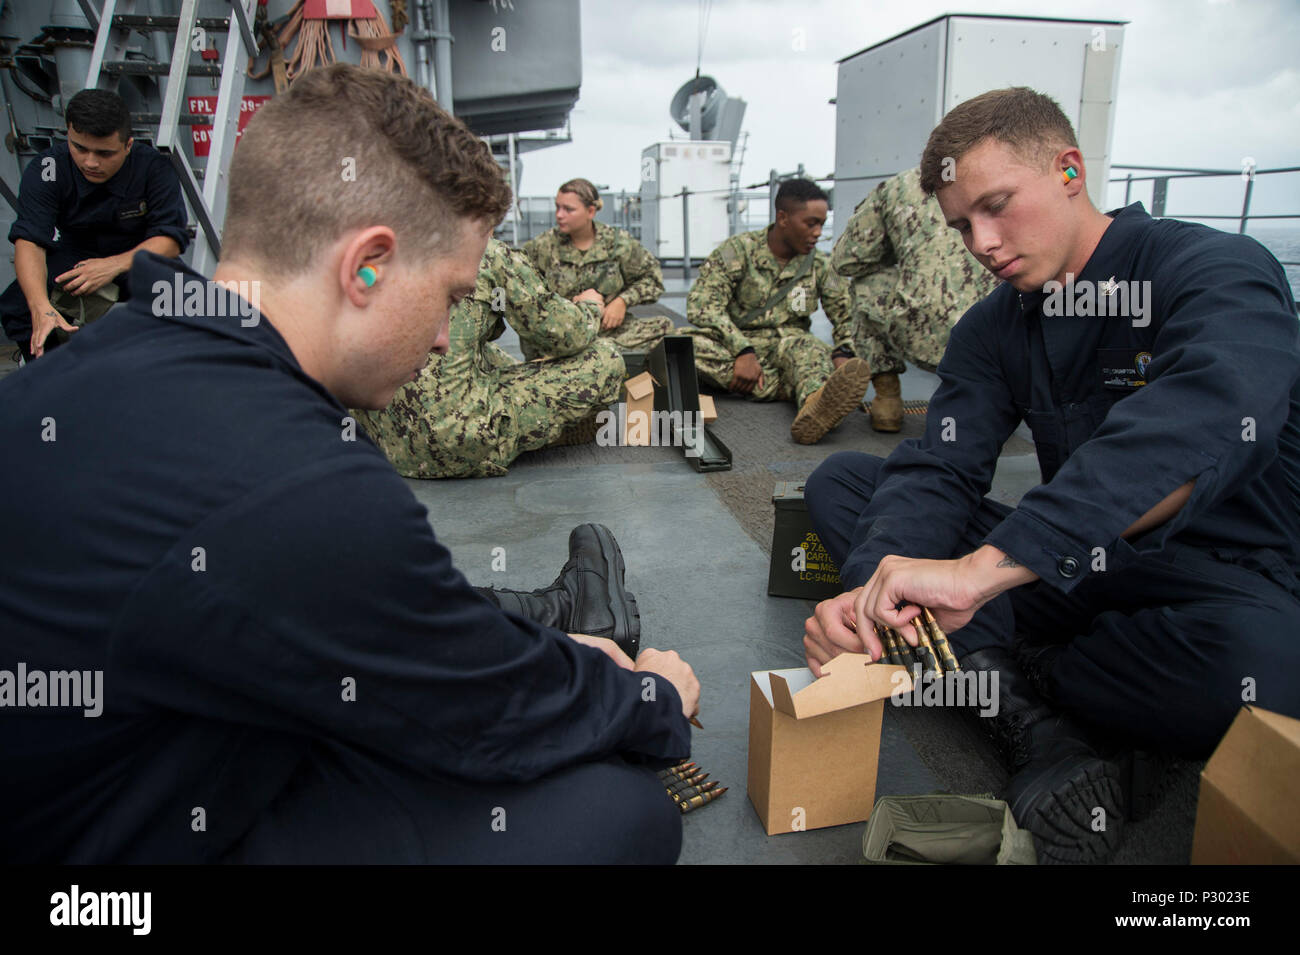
{"x": 85, "y": 208}
{"x": 1147, "y": 588}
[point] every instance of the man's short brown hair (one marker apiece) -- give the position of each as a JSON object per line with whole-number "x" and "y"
{"x": 1030, "y": 123}
{"x": 347, "y": 148}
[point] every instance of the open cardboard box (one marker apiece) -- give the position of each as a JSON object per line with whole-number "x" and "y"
{"x": 708, "y": 410}
{"x": 814, "y": 745}
{"x": 1246, "y": 810}
{"x": 639, "y": 396}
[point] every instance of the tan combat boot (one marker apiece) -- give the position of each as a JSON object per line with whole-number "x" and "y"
{"x": 887, "y": 405}
{"x": 832, "y": 402}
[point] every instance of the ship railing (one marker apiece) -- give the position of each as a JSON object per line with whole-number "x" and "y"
{"x": 750, "y": 207}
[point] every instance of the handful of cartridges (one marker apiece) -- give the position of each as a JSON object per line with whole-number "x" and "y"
{"x": 685, "y": 783}
{"x": 932, "y": 650}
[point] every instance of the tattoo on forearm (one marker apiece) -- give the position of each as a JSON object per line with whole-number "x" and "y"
{"x": 1008, "y": 561}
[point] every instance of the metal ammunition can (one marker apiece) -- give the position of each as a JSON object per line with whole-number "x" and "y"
{"x": 800, "y": 566}
{"x": 635, "y": 362}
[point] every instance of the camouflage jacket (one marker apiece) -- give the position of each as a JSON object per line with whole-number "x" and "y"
{"x": 741, "y": 274}
{"x": 508, "y": 289}
{"x": 898, "y": 225}
{"x": 615, "y": 265}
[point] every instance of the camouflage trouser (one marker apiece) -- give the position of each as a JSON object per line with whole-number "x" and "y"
{"x": 795, "y": 363}
{"x": 639, "y": 334}
{"x": 478, "y": 430}
{"x": 890, "y": 332}
{"x": 877, "y": 312}
{"x": 635, "y": 334}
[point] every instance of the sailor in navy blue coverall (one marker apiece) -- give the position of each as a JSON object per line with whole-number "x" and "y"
{"x": 72, "y": 218}
{"x": 1168, "y": 633}
{"x": 228, "y": 563}
{"x": 293, "y": 669}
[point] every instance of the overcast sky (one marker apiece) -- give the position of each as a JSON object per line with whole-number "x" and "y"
{"x": 1201, "y": 83}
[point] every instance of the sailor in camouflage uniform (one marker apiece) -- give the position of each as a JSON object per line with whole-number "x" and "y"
{"x": 474, "y": 410}
{"x": 912, "y": 280}
{"x": 748, "y": 343}
{"x": 581, "y": 253}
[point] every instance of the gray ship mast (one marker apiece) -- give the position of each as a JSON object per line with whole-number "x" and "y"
{"x": 511, "y": 71}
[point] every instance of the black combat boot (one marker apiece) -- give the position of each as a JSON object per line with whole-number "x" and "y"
{"x": 1061, "y": 788}
{"x": 1020, "y": 706}
{"x": 588, "y": 596}
{"x": 1145, "y": 773}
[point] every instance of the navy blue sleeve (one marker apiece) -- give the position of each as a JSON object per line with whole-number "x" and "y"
{"x": 38, "y": 203}
{"x": 1225, "y": 362}
{"x": 929, "y": 488}
{"x": 167, "y": 215}
{"x": 324, "y": 606}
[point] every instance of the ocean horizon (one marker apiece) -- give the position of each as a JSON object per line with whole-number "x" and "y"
{"x": 1284, "y": 243}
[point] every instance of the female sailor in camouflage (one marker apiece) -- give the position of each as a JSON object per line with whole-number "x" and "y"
{"x": 474, "y": 410}
{"x": 581, "y": 253}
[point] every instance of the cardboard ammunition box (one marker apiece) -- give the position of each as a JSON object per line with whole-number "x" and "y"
{"x": 1246, "y": 810}
{"x": 814, "y": 744}
{"x": 800, "y": 566}
{"x": 639, "y": 396}
{"x": 708, "y": 410}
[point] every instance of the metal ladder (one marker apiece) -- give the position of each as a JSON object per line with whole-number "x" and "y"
{"x": 108, "y": 64}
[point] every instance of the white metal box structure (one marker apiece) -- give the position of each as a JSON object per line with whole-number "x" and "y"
{"x": 891, "y": 95}
{"x": 704, "y": 168}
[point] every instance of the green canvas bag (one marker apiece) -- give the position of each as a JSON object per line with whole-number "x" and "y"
{"x": 945, "y": 830}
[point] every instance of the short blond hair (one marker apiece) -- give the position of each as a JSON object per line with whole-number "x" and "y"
{"x": 346, "y": 148}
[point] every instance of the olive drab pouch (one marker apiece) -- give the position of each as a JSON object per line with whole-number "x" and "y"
{"x": 81, "y": 310}
{"x": 945, "y": 830}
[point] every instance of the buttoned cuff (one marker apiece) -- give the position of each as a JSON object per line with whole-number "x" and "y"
{"x": 1059, "y": 560}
